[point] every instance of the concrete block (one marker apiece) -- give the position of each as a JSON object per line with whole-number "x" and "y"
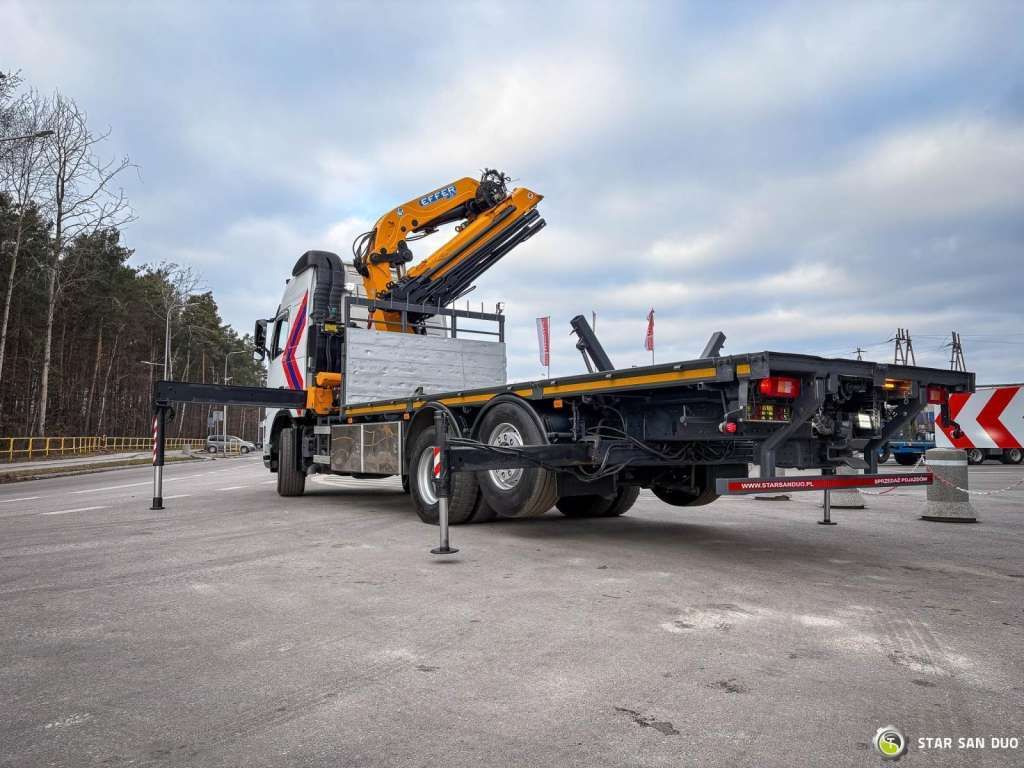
{"x": 847, "y": 498}
{"x": 946, "y": 503}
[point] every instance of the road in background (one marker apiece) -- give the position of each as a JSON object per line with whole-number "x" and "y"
{"x": 239, "y": 628}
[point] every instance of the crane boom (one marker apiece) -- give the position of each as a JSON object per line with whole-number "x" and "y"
{"x": 493, "y": 222}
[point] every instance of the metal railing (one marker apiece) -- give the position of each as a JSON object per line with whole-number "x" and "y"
{"x": 27, "y": 448}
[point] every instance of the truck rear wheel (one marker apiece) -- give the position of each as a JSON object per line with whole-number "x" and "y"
{"x": 678, "y": 497}
{"x": 483, "y": 512}
{"x": 599, "y": 506}
{"x": 464, "y": 488}
{"x": 515, "y": 492}
{"x": 290, "y": 479}
{"x": 975, "y": 456}
{"x": 907, "y": 459}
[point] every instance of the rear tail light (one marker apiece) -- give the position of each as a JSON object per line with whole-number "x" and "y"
{"x": 786, "y": 387}
{"x": 937, "y": 395}
{"x": 728, "y": 427}
{"x": 899, "y": 386}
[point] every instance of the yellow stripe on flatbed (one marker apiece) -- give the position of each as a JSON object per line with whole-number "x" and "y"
{"x": 631, "y": 381}
{"x": 597, "y": 385}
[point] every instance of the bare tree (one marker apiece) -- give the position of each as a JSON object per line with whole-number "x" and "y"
{"x": 24, "y": 175}
{"x": 173, "y": 292}
{"x": 10, "y": 82}
{"x": 81, "y": 197}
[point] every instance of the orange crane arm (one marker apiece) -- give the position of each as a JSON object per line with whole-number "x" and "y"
{"x": 493, "y": 221}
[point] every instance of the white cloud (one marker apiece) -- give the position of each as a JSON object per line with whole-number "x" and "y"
{"x": 803, "y": 176}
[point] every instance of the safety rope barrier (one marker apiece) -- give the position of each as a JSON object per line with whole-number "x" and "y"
{"x": 948, "y": 484}
{"x": 944, "y": 481}
{"x": 920, "y": 461}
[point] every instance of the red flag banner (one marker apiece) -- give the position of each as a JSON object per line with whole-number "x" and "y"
{"x": 544, "y": 340}
{"x": 649, "y": 338}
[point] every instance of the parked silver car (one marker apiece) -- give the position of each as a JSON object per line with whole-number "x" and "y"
{"x": 215, "y": 444}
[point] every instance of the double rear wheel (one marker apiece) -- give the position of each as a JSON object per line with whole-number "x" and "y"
{"x": 465, "y": 504}
{"x": 520, "y": 492}
{"x": 599, "y": 506}
{"x": 510, "y": 492}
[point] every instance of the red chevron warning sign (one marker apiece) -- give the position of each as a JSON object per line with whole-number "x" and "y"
{"x": 988, "y": 418}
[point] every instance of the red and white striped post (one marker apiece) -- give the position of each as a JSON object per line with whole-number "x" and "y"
{"x": 159, "y": 425}
{"x": 441, "y": 480}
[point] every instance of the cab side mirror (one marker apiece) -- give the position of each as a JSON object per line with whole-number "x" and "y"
{"x": 260, "y": 340}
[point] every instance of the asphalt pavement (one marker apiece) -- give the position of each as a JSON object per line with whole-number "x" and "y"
{"x": 239, "y": 628}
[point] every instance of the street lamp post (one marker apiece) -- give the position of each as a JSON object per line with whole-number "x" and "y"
{"x": 29, "y": 136}
{"x": 226, "y": 358}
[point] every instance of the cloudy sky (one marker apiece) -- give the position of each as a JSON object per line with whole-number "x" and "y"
{"x": 806, "y": 177}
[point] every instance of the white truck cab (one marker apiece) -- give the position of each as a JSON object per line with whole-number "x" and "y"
{"x": 316, "y": 276}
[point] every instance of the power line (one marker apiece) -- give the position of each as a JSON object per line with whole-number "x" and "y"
{"x": 903, "y": 353}
{"x": 956, "y": 353}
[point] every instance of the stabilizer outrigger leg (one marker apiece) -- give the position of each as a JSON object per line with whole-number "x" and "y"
{"x": 442, "y": 479}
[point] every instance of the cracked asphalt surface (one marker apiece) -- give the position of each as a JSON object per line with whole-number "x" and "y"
{"x": 239, "y": 628}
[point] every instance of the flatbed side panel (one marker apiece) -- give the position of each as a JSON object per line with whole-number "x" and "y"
{"x": 383, "y": 366}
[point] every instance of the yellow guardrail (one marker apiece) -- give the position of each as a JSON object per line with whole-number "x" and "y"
{"x": 15, "y": 448}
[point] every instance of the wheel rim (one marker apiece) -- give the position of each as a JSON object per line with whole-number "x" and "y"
{"x": 506, "y": 435}
{"x": 1015, "y": 455}
{"x": 425, "y": 476}
{"x": 975, "y": 456}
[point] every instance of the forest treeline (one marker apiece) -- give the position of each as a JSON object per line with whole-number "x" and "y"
{"x": 86, "y": 325}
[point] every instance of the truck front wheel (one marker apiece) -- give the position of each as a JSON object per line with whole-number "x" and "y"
{"x": 464, "y": 488}
{"x": 291, "y": 481}
{"x": 599, "y": 506}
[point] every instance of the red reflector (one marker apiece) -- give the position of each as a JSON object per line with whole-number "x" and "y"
{"x": 937, "y": 395}
{"x": 780, "y": 386}
{"x": 728, "y": 427}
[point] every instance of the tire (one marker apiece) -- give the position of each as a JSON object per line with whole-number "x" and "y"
{"x": 211, "y": 449}
{"x": 1012, "y": 456}
{"x": 243, "y": 450}
{"x": 884, "y": 454}
{"x": 975, "y": 456}
{"x": 599, "y": 506}
{"x": 464, "y": 488}
{"x": 515, "y": 492}
{"x": 678, "y": 497}
{"x": 907, "y": 459}
{"x": 483, "y": 512}
{"x": 291, "y": 481}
